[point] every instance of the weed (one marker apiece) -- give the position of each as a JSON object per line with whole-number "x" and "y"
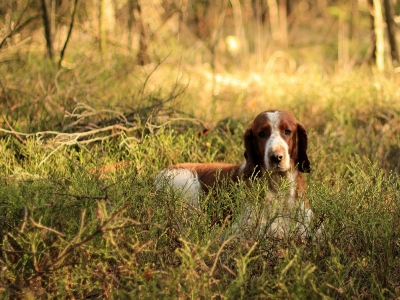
{"x": 80, "y": 216}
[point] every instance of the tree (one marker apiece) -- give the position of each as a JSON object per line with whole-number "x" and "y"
{"x": 378, "y": 39}
{"x": 391, "y": 28}
{"x": 71, "y": 26}
{"x": 135, "y": 16}
{"x": 47, "y": 29}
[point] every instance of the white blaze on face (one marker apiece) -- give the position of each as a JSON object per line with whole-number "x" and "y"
{"x": 276, "y": 144}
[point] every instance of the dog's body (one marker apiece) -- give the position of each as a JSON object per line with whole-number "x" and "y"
{"x": 275, "y": 151}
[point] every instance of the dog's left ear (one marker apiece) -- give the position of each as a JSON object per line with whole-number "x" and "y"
{"x": 303, "y": 164}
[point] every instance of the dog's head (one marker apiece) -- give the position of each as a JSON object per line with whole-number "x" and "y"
{"x": 275, "y": 142}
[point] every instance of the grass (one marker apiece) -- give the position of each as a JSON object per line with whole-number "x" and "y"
{"x": 73, "y": 226}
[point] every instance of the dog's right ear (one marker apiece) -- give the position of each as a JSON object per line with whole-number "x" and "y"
{"x": 252, "y": 162}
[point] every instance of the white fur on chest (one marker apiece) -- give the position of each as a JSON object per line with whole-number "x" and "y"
{"x": 280, "y": 214}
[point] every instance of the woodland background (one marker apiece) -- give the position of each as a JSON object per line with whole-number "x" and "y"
{"x": 97, "y": 96}
{"x": 225, "y": 34}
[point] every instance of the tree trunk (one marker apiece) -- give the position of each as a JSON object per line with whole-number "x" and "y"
{"x": 354, "y": 20}
{"x": 283, "y": 23}
{"x": 135, "y": 21}
{"x": 343, "y": 42}
{"x": 131, "y": 20}
{"x": 142, "y": 56}
{"x": 379, "y": 33}
{"x": 289, "y": 8}
{"x": 391, "y": 28}
{"x": 239, "y": 30}
{"x": 274, "y": 19}
{"x": 71, "y": 26}
{"x": 47, "y": 29}
{"x": 373, "y": 36}
{"x": 102, "y": 26}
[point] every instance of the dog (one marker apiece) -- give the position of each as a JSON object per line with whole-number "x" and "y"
{"x": 275, "y": 153}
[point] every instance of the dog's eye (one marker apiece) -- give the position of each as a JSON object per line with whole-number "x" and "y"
{"x": 288, "y": 132}
{"x": 262, "y": 134}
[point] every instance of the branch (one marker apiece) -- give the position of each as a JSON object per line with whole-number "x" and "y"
{"x": 13, "y": 131}
{"x": 47, "y": 29}
{"x": 18, "y": 28}
{"x": 69, "y": 33}
{"x": 98, "y": 231}
{"x": 46, "y": 228}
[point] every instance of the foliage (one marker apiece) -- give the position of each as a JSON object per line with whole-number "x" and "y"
{"x": 80, "y": 217}
{"x": 81, "y": 143}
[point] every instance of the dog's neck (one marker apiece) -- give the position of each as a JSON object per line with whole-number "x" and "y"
{"x": 280, "y": 183}
{"x": 278, "y": 180}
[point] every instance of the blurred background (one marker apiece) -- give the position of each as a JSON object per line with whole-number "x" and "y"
{"x": 224, "y": 35}
{"x": 96, "y": 65}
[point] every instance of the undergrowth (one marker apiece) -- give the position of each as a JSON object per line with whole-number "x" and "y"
{"x": 80, "y": 216}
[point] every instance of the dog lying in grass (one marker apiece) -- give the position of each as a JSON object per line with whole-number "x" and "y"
{"x": 275, "y": 153}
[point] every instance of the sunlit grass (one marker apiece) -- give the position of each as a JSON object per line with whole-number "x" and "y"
{"x": 72, "y": 228}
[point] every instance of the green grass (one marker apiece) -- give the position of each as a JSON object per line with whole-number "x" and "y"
{"x": 68, "y": 230}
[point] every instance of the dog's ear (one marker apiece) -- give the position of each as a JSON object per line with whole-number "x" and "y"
{"x": 252, "y": 162}
{"x": 303, "y": 164}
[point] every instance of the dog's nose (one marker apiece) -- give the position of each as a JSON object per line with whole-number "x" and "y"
{"x": 276, "y": 157}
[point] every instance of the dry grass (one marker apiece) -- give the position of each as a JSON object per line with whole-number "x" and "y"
{"x": 69, "y": 230}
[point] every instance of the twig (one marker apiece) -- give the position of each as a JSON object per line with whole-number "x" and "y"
{"x": 4, "y": 90}
{"x": 62, "y": 138}
{"x": 149, "y": 75}
{"x": 80, "y": 197}
{"x": 89, "y": 111}
{"x": 16, "y": 29}
{"x": 73, "y": 138}
{"x": 47, "y": 228}
{"x": 98, "y": 231}
{"x": 71, "y": 242}
{"x": 59, "y": 267}
{"x": 23, "y": 251}
{"x": 88, "y": 136}
{"x": 25, "y": 220}
{"x": 48, "y": 156}
{"x": 218, "y": 254}
{"x": 47, "y": 29}
{"x": 135, "y": 223}
{"x": 13, "y": 131}
{"x": 17, "y": 26}
{"x": 69, "y": 33}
